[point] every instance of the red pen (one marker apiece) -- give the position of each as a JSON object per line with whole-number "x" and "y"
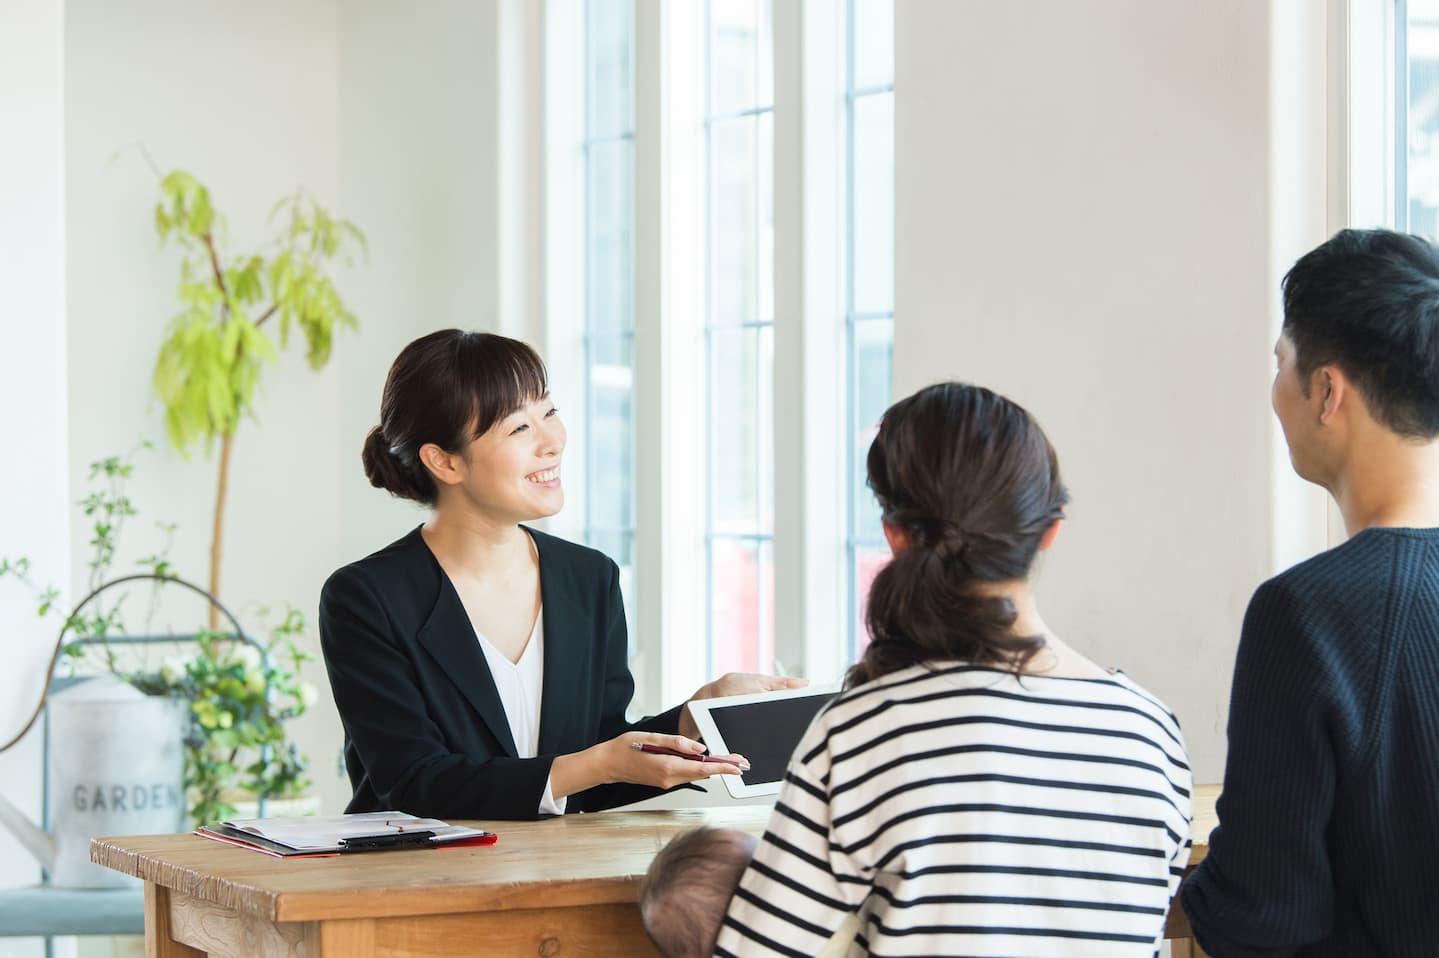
{"x": 661, "y": 750}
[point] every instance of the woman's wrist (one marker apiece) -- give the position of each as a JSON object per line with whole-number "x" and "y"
{"x": 686, "y": 725}
{"x": 576, "y": 772}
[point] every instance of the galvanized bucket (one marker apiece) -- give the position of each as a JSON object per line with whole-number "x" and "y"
{"x": 115, "y": 768}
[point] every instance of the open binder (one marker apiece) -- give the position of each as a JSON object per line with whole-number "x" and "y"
{"x": 340, "y": 834}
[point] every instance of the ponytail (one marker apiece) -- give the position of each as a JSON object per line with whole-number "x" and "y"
{"x": 972, "y": 484}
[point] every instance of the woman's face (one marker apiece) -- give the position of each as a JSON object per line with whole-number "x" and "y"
{"x": 513, "y": 470}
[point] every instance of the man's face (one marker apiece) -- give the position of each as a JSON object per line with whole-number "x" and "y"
{"x": 1298, "y": 414}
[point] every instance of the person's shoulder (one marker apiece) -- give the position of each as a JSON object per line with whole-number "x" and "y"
{"x": 1334, "y": 588}
{"x": 1357, "y": 563}
{"x": 580, "y": 560}
{"x": 400, "y": 561}
{"x": 859, "y": 706}
{"x": 1131, "y": 693}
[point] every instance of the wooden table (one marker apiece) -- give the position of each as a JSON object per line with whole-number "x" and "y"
{"x": 557, "y": 888}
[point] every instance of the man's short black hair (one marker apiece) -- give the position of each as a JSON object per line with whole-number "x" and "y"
{"x": 1367, "y": 301}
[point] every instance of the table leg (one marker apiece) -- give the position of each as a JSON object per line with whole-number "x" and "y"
{"x": 159, "y": 942}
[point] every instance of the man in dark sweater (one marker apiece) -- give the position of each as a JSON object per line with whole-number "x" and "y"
{"x": 1329, "y": 821}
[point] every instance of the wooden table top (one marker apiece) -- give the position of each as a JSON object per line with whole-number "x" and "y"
{"x": 560, "y": 862}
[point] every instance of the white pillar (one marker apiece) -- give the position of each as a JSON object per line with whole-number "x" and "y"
{"x": 34, "y": 483}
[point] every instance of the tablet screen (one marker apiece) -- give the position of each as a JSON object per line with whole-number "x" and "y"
{"x": 766, "y": 733}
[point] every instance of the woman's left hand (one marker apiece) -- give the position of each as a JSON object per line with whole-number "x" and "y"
{"x": 735, "y": 683}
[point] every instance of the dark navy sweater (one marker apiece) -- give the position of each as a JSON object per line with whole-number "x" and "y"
{"x": 1328, "y": 842}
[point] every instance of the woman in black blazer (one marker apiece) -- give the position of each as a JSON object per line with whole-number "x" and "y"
{"x": 421, "y": 637}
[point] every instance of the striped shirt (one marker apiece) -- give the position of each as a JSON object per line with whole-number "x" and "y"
{"x": 964, "y": 811}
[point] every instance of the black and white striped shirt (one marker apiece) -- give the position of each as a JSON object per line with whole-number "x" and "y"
{"x": 964, "y": 811}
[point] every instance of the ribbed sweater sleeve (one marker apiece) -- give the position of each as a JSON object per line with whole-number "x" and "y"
{"x": 1266, "y": 887}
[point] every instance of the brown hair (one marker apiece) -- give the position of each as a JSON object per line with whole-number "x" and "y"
{"x": 689, "y": 885}
{"x": 971, "y": 480}
{"x": 446, "y": 388}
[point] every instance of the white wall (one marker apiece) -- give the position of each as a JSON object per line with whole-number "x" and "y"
{"x": 34, "y": 489}
{"x": 245, "y": 97}
{"x": 1083, "y": 223}
{"x": 419, "y": 169}
{"x": 389, "y": 116}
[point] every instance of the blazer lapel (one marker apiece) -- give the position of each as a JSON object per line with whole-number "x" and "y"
{"x": 449, "y": 636}
{"x": 568, "y": 654}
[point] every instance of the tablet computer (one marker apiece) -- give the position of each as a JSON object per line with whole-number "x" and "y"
{"x": 764, "y": 727}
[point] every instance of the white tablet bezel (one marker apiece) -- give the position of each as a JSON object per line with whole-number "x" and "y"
{"x": 700, "y": 712}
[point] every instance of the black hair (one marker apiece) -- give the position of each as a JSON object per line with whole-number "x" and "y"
{"x": 1367, "y": 301}
{"x": 973, "y": 483}
{"x": 446, "y": 388}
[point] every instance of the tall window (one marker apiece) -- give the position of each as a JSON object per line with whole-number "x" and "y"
{"x": 869, "y": 294}
{"x": 739, "y": 334}
{"x": 609, "y": 281}
{"x": 1416, "y": 191}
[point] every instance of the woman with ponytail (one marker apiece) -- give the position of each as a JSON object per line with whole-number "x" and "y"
{"x": 980, "y": 787}
{"x": 480, "y": 666}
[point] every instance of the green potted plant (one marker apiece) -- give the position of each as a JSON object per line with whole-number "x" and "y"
{"x": 217, "y": 346}
{"x": 239, "y": 691}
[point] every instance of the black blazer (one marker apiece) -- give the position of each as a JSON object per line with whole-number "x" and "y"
{"x": 425, "y": 732}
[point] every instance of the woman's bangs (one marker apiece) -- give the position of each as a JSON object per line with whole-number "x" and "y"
{"x": 508, "y": 375}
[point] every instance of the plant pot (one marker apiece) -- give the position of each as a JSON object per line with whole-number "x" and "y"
{"x": 115, "y": 768}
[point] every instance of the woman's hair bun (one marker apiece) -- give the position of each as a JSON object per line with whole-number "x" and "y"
{"x": 385, "y": 470}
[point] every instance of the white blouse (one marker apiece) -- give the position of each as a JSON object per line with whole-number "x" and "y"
{"x": 521, "y": 685}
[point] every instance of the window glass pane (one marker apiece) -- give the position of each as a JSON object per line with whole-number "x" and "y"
{"x": 868, "y": 562}
{"x": 608, "y": 398}
{"x": 734, "y": 233}
{"x": 609, "y": 259}
{"x": 611, "y": 444}
{"x": 869, "y": 214}
{"x": 740, "y": 340}
{"x": 764, "y": 82}
{"x": 1423, "y": 126}
{"x": 734, "y": 606}
{"x": 609, "y": 51}
{"x": 735, "y": 430}
{"x": 873, "y": 203}
{"x": 873, "y": 43}
{"x": 734, "y": 52}
{"x": 870, "y": 380}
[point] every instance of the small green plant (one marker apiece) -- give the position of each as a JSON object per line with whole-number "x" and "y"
{"x": 240, "y": 697}
{"x": 240, "y": 692}
{"x": 215, "y": 348}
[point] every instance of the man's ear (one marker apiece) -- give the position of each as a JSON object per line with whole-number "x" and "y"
{"x": 897, "y": 538}
{"x": 1332, "y": 388}
{"x": 1050, "y": 535}
{"x": 444, "y": 466}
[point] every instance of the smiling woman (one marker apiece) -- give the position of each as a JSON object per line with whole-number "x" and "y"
{"x": 479, "y": 666}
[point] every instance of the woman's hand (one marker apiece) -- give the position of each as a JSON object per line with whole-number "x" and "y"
{"x": 627, "y": 763}
{"x": 621, "y": 760}
{"x": 735, "y": 683}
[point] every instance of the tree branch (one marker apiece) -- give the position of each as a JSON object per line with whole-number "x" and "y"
{"x": 219, "y": 273}
{"x": 274, "y": 307}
